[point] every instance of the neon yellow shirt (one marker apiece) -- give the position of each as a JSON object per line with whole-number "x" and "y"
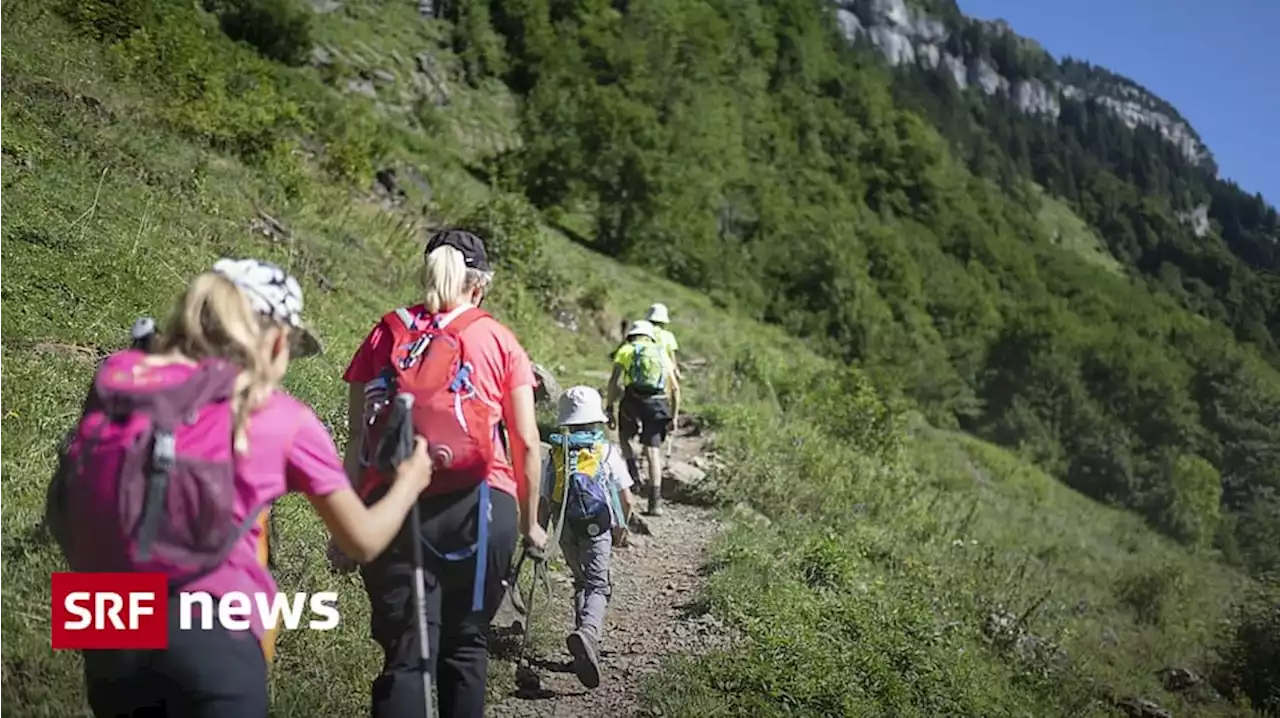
{"x": 668, "y": 341}
{"x": 626, "y": 356}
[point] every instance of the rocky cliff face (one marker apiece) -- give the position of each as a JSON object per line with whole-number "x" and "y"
{"x": 907, "y": 35}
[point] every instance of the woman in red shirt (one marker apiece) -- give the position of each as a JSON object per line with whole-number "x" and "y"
{"x": 460, "y": 604}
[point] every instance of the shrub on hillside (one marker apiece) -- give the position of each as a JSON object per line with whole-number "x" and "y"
{"x": 279, "y": 29}
{"x": 1191, "y": 500}
{"x": 1253, "y": 537}
{"x": 511, "y": 230}
{"x": 1250, "y": 651}
{"x": 475, "y": 41}
{"x": 1147, "y": 590}
{"x": 229, "y": 99}
{"x": 108, "y": 21}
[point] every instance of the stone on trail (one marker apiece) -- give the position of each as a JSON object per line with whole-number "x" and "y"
{"x": 548, "y": 389}
{"x": 684, "y": 476}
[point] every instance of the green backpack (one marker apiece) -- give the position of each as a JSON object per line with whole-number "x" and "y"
{"x": 648, "y": 368}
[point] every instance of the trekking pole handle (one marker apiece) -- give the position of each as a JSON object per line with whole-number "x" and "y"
{"x": 397, "y": 441}
{"x": 533, "y": 552}
{"x": 142, "y": 332}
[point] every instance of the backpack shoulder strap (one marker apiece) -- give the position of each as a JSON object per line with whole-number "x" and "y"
{"x": 400, "y": 320}
{"x": 405, "y": 316}
{"x": 602, "y": 469}
{"x": 466, "y": 318}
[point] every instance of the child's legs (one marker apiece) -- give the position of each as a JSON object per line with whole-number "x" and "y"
{"x": 572, "y": 556}
{"x": 591, "y": 581}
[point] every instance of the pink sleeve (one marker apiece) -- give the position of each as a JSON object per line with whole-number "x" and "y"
{"x": 313, "y": 465}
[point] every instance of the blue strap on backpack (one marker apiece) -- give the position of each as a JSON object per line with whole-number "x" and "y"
{"x": 391, "y": 454}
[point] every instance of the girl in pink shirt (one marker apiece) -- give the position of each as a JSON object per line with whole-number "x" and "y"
{"x": 248, "y": 314}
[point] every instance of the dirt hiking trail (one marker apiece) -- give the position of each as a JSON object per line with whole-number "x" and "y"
{"x": 656, "y": 579}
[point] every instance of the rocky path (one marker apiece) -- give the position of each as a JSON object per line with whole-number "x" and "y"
{"x": 656, "y": 579}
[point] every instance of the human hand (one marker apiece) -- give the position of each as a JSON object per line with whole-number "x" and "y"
{"x": 535, "y": 541}
{"x": 417, "y": 468}
{"x": 339, "y": 561}
{"x": 612, "y": 419}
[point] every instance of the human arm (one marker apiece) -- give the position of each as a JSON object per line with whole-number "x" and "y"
{"x": 312, "y": 467}
{"x": 628, "y": 503}
{"x": 369, "y": 361}
{"x": 526, "y": 460}
{"x": 364, "y": 532}
{"x": 355, "y": 431}
{"x": 673, "y": 349}
{"x": 613, "y": 393}
{"x": 674, "y": 389}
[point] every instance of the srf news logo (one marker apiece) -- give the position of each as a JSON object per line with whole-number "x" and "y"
{"x": 131, "y": 611}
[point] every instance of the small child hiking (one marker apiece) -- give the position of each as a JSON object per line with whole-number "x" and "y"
{"x": 182, "y": 447}
{"x": 589, "y": 489}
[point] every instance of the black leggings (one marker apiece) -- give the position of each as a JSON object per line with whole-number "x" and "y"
{"x": 459, "y": 638}
{"x": 211, "y": 673}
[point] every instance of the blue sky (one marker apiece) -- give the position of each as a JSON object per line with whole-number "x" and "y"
{"x": 1218, "y": 63}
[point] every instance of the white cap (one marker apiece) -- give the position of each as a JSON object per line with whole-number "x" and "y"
{"x": 273, "y": 293}
{"x": 658, "y": 313}
{"x": 640, "y": 328}
{"x": 581, "y": 405}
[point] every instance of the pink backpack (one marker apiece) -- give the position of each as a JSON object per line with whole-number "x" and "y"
{"x": 146, "y": 480}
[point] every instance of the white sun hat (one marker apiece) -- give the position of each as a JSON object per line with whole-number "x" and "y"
{"x": 640, "y": 328}
{"x": 581, "y": 405}
{"x": 658, "y": 313}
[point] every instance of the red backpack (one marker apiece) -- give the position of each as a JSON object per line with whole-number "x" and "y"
{"x": 430, "y": 363}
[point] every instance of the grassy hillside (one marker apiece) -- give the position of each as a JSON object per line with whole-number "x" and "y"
{"x": 898, "y": 569}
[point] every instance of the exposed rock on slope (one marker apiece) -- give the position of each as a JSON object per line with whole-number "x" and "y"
{"x": 907, "y": 35}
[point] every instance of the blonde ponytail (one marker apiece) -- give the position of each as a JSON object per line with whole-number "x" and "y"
{"x": 444, "y": 278}
{"x": 213, "y": 318}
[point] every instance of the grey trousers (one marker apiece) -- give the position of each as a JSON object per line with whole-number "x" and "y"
{"x": 588, "y": 559}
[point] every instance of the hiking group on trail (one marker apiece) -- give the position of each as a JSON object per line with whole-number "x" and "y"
{"x": 187, "y": 439}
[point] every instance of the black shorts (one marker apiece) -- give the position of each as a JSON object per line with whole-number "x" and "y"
{"x": 646, "y": 416}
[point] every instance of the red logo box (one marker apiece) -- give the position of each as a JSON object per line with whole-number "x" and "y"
{"x": 110, "y": 611}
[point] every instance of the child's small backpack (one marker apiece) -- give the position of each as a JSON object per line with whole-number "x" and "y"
{"x": 648, "y": 368}
{"x": 583, "y": 484}
{"x": 146, "y": 480}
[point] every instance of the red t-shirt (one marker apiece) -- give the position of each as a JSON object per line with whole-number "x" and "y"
{"x": 500, "y": 366}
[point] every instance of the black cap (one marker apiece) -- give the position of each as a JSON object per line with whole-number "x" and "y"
{"x": 471, "y": 246}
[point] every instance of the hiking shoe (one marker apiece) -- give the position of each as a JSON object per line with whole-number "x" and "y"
{"x": 655, "y": 501}
{"x": 586, "y": 665}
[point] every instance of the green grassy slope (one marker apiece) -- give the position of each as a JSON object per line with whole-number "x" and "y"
{"x": 891, "y": 543}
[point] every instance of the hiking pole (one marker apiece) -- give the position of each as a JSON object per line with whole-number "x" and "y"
{"x": 400, "y": 431}
{"x": 526, "y": 677}
{"x": 675, "y": 426}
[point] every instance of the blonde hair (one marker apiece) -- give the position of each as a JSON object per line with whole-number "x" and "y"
{"x": 213, "y": 318}
{"x": 445, "y": 278}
